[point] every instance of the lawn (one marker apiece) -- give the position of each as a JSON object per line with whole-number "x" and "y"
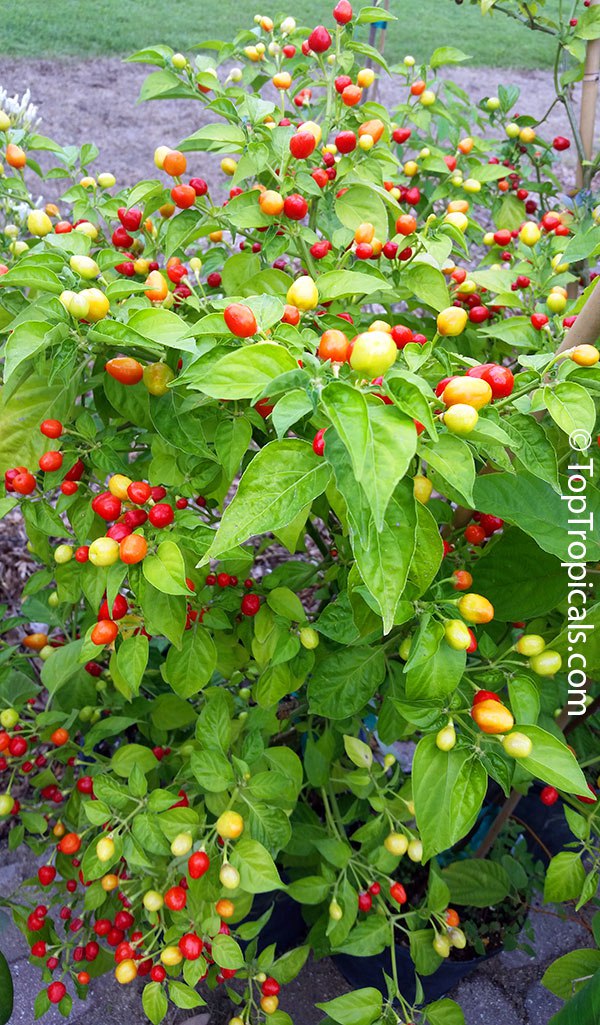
{"x": 90, "y": 28}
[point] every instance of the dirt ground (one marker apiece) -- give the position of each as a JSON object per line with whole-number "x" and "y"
{"x": 95, "y": 100}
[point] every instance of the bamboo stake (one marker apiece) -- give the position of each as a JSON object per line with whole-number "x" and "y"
{"x": 589, "y": 98}
{"x": 586, "y": 329}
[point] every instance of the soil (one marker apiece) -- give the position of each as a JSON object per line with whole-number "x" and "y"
{"x": 95, "y": 100}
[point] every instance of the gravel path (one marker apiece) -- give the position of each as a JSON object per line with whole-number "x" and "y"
{"x": 95, "y": 100}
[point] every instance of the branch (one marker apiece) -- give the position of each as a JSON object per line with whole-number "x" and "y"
{"x": 528, "y": 22}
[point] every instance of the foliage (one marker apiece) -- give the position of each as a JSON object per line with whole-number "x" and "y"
{"x": 328, "y": 423}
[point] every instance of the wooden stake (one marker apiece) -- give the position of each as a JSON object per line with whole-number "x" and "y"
{"x": 589, "y": 98}
{"x": 586, "y": 329}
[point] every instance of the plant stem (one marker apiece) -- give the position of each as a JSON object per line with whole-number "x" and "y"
{"x": 501, "y": 818}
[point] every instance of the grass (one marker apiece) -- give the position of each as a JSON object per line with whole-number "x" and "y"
{"x": 92, "y": 28}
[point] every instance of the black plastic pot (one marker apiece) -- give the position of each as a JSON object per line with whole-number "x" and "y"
{"x": 545, "y": 831}
{"x": 286, "y": 927}
{"x": 369, "y": 971}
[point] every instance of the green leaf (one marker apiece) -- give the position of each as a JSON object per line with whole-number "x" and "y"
{"x": 532, "y": 505}
{"x": 581, "y": 245}
{"x": 565, "y": 877}
{"x": 190, "y": 668}
{"x": 232, "y": 440}
{"x": 338, "y": 284}
{"x": 584, "y": 1006}
{"x": 447, "y": 55}
{"x": 244, "y": 373}
{"x": 218, "y": 138}
{"x": 226, "y": 952}
{"x": 356, "y": 205}
{"x": 571, "y": 407}
{"x": 438, "y": 895}
{"x": 109, "y": 727}
{"x": 258, "y": 873}
{"x": 126, "y": 757}
{"x": 184, "y": 996}
{"x": 287, "y": 967}
{"x": 273, "y": 685}
{"x": 578, "y": 824}
{"x": 451, "y": 467}
{"x": 171, "y": 713}
{"x": 516, "y": 331}
{"x": 434, "y": 669}
{"x": 532, "y": 448}
{"x": 24, "y": 342}
{"x": 444, "y": 1012}
{"x": 567, "y": 974}
{"x": 132, "y": 659}
{"x": 41, "y": 1004}
{"x": 309, "y": 889}
{"x": 236, "y": 271}
{"x": 281, "y": 480}
{"x": 524, "y": 699}
{"x": 429, "y": 551}
{"x": 163, "y": 84}
{"x": 412, "y": 394}
{"x": 534, "y": 586}
{"x": 26, "y": 274}
{"x": 6, "y": 504}
{"x": 476, "y": 882}
{"x": 212, "y": 770}
{"x": 21, "y": 412}
{"x": 6, "y": 991}
{"x": 164, "y": 614}
{"x": 285, "y": 603}
{"x": 358, "y": 752}
{"x": 380, "y": 441}
{"x": 448, "y": 791}
{"x": 182, "y": 230}
{"x": 166, "y": 570}
{"x": 427, "y": 283}
{"x": 361, "y": 1007}
{"x": 589, "y": 28}
{"x": 552, "y": 761}
{"x": 424, "y": 957}
{"x": 490, "y": 173}
{"x": 290, "y": 408}
{"x": 368, "y": 15}
{"x": 367, "y": 938}
{"x": 384, "y": 557}
{"x": 510, "y": 213}
{"x": 63, "y": 665}
{"x": 163, "y": 326}
{"x": 344, "y": 682}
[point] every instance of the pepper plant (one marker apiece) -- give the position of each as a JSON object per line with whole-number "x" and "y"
{"x": 291, "y": 451}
